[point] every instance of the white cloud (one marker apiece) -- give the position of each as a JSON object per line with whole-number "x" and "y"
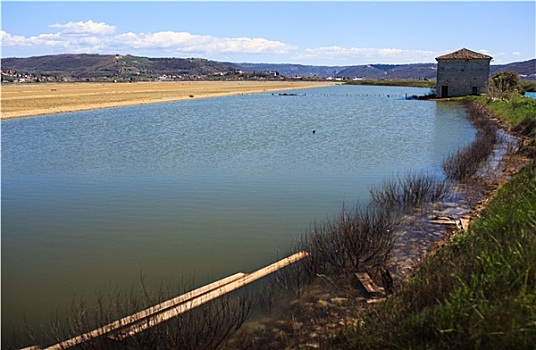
{"x": 186, "y": 42}
{"x": 90, "y": 36}
{"x": 41, "y": 40}
{"x": 11, "y": 40}
{"x": 88, "y": 28}
{"x": 253, "y": 45}
{"x": 99, "y": 37}
{"x": 343, "y": 55}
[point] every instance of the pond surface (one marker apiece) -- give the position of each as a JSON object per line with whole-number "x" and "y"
{"x": 531, "y": 94}
{"x": 199, "y": 188}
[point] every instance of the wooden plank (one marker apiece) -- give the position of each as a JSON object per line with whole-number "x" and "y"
{"x": 465, "y": 222}
{"x": 164, "y": 311}
{"x": 444, "y": 220}
{"x": 375, "y": 301}
{"x": 179, "y": 309}
{"x": 367, "y": 283}
{"x": 145, "y": 313}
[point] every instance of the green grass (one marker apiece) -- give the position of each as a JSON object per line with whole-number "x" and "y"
{"x": 514, "y": 108}
{"x": 477, "y": 292}
{"x": 520, "y": 112}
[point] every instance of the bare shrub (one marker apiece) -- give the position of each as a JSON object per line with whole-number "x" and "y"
{"x": 354, "y": 238}
{"x": 465, "y": 162}
{"x": 208, "y": 326}
{"x": 292, "y": 279}
{"x": 401, "y": 195}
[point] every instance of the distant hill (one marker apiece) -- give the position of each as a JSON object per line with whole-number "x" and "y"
{"x": 293, "y": 70}
{"x": 93, "y": 67}
{"x": 526, "y": 69}
{"x": 398, "y": 71}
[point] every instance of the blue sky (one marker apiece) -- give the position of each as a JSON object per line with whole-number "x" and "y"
{"x": 316, "y": 33}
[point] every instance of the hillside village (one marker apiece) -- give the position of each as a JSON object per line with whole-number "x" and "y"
{"x": 14, "y": 76}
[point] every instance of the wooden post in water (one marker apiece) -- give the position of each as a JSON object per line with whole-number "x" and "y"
{"x": 162, "y": 312}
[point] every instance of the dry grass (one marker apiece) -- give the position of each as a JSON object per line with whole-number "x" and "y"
{"x": 22, "y": 100}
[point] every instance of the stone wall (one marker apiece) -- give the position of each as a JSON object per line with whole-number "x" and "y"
{"x": 462, "y": 77}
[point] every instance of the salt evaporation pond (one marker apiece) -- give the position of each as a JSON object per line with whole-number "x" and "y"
{"x": 195, "y": 189}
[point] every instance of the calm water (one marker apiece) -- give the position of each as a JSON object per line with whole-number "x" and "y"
{"x": 531, "y": 94}
{"x": 204, "y": 188}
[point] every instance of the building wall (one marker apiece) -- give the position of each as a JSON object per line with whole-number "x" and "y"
{"x": 462, "y": 77}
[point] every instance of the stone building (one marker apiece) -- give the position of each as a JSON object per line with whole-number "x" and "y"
{"x": 463, "y": 72}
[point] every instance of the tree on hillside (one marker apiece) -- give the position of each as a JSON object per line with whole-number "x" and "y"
{"x": 504, "y": 82}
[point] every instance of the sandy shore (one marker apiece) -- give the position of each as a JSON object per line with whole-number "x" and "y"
{"x": 23, "y": 100}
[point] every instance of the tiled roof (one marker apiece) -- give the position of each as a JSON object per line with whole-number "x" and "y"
{"x": 464, "y": 54}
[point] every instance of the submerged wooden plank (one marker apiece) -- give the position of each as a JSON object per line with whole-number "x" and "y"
{"x": 179, "y": 309}
{"x": 146, "y": 313}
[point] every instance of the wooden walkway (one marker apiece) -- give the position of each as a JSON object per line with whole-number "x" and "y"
{"x": 167, "y": 310}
